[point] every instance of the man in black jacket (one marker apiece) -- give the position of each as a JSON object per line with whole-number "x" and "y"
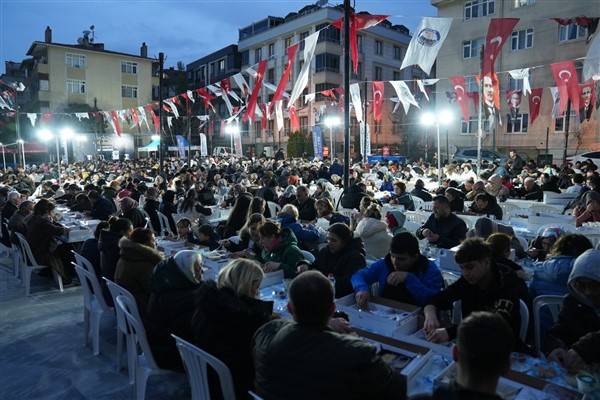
{"x": 305, "y": 204}
{"x": 305, "y": 359}
{"x": 443, "y": 228}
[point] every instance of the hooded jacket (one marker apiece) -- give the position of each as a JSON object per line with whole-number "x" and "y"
{"x": 578, "y": 323}
{"x": 496, "y": 189}
{"x": 375, "y": 236}
{"x": 550, "y": 277}
{"x": 224, "y": 324}
{"x": 422, "y": 282}
{"x": 287, "y": 253}
{"x": 396, "y": 221}
{"x": 134, "y": 269}
{"x": 302, "y": 234}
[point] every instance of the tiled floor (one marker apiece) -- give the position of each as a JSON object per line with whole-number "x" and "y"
{"x": 42, "y": 354}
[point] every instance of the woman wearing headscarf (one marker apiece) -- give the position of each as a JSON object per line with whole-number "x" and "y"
{"x": 342, "y": 257}
{"x": 130, "y": 211}
{"x": 288, "y": 196}
{"x": 454, "y": 196}
{"x": 137, "y": 260}
{"x": 172, "y": 304}
{"x": 151, "y": 207}
{"x": 542, "y": 244}
{"x": 373, "y": 231}
{"x": 227, "y": 316}
{"x": 168, "y": 208}
{"x": 495, "y": 188}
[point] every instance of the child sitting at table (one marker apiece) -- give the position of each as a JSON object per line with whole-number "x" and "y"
{"x": 184, "y": 230}
{"x": 205, "y": 236}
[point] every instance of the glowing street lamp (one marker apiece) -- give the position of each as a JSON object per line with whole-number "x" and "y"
{"x": 428, "y": 119}
{"x": 232, "y": 129}
{"x": 45, "y": 135}
{"x": 330, "y": 122}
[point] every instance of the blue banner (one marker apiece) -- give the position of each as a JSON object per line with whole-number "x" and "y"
{"x": 317, "y": 136}
{"x": 181, "y": 144}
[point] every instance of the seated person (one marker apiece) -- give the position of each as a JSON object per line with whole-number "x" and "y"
{"x": 395, "y": 221}
{"x": 420, "y": 191}
{"x": 500, "y": 245}
{"x": 325, "y": 210}
{"x": 529, "y": 191}
{"x": 574, "y": 340}
{"x": 589, "y": 208}
{"x": 542, "y": 244}
{"x": 483, "y": 286}
{"x": 249, "y": 245}
{"x": 305, "y": 204}
{"x": 82, "y": 203}
{"x": 485, "y": 204}
{"x": 496, "y": 189}
{"x": 205, "y": 236}
{"x": 443, "y": 228}
{"x": 404, "y": 274}
{"x": 484, "y": 227}
{"x": 455, "y": 197}
{"x": 288, "y": 218}
{"x": 305, "y": 359}
{"x": 401, "y": 196}
{"x": 280, "y": 249}
{"x": 479, "y": 365}
{"x": 353, "y": 195}
{"x": 373, "y": 230}
{"x": 342, "y": 257}
{"x": 90, "y": 251}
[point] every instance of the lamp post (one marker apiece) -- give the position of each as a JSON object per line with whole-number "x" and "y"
{"x": 330, "y": 122}
{"x": 46, "y": 135}
{"x": 22, "y": 143}
{"x": 232, "y": 129}
{"x": 66, "y": 133}
{"x": 3, "y": 158}
{"x": 429, "y": 119}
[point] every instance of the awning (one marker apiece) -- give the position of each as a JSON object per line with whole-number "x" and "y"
{"x": 152, "y": 146}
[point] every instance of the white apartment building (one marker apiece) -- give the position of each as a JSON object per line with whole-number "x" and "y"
{"x": 381, "y": 50}
{"x": 536, "y": 42}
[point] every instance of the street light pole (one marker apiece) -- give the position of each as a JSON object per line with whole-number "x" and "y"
{"x": 439, "y": 155}
{"x": 22, "y": 143}
{"x": 58, "y": 158}
{"x": 3, "y": 158}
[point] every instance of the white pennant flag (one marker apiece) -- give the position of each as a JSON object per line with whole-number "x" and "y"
{"x": 190, "y": 96}
{"x": 404, "y": 95}
{"x": 279, "y": 114}
{"x": 309, "y": 97}
{"x": 591, "y": 64}
{"x": 3, "y": 104}
{"x": 240, "y": 81}
{"x": 422, "y": 88}
{"x": 82, "y": 115}
{"x": 355, "y": 94}
{"x": 108, "y": 117}
{"x": 173, "y": 107}
{"x": 32, "y": 117}
{"x": 310, "y": 43}
{"x": 426, "y": 43}
{"x": 170, "y": 122}
{"x": 142, "y": 116}
{"x": 396, "y": 102}
{"x": 522, "y": 74}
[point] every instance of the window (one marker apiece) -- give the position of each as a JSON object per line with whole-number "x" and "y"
{"x": 327, "y": 62}
{"x": 270, "y": 127}
{"x": 358, "y": 75}
{"x": 471, "y": 47}
{"x": 397, "y": 53}
{"x": 245, "y": 57}
{"x": 378, "y": 47}
{"x": 128, "y": 67}
{"x": 257, "y": 130}
{"x": 271, "y": 75}
{"x": 75, "y": 60}
{"x": 522, "y": 39}
{"x": 129, "y": 91}
{"x": 522, "y": 3}
{"x": 396, "y": 75}
{"x": 378, "y": 74}
{"x": 303, "y": 36}
{"x": 75, "y": 86}
{"x": 470, "y": 128}
{"x": 479, "y": 8}
{"x": 303, "y": 124}
{"x": 271, "y": 49}
{"x": 559, "y": 123}
{"x": 44, "y": 85}
{"x": 328, "y": 33}
{"x": 258, "y": 54}
{"x": 571, "y": 32}
{"x": 517, "y": 84}
{"x": 471, "y": 84}
{"x": 287, "y": 42}
{"x": 222, "y": 66}
{"x": 518, "y": 124}
{"x": 359, "y": 43}
{"x": 212, "y": 69}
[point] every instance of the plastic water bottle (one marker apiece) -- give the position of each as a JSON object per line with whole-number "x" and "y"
{"x": 332, "y": 280}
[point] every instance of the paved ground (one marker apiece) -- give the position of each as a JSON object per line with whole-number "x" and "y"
{"x": 42, "y": 354}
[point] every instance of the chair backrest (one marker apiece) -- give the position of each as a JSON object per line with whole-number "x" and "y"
{"x": 234, "y": 239}
{"x": 468, "y": 222}
{"x": 254, "y": 395}
{"x": 195, "y": 361}
{"x": 554, "y": 303}
{"x": 418, "y": 202}
{"x": 449, "y": 278}
{"x": 524, "y": 243}
{"x": 136, "y": 328}
{"x": 274, "y": 208}
{"x": 426, "y": 206}
{"x": 83, "y": 262}
{"x": 90, "y": 288}
{"x": 26, "y": 254}
{"x": 544, "y": 208}
{"x": 165, "y": 228}
{"x": 115, "y": 291}
{"x": 308, "y": 255}
{"x": 507, "y": 207}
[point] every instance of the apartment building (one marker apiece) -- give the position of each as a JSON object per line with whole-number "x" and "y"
{"x": 536, "y": 42}
{"x": 381, "y": 50}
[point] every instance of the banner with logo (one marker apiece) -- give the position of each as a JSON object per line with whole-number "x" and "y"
{"x": 426, "y": 43}
{"x": 365, "y": 140}
{"x": 317, "y": 136}
{"x": 237, "y": 143}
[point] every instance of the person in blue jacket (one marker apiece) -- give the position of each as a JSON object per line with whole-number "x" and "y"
{"x": 404, "y": 274}
{"x": 288, "y": 218}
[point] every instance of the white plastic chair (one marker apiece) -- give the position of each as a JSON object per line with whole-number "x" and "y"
{"x": 165, "y": 228}
{"x": 524, "y": 243}
{"x": 29, "y": 264}
{"x": 507, "y": 207}
{"x": 449, "y": 278}
{"x": 83, "y": 262}
{"x": 418, "y": 202}
{"x": 254, "y": 395}
{"x": 141, "y": 201}
{"x": 308, "y": 255}
{"x": 94, "y": 306}
{"x": 554, "y": 303}
{"x": 468, "y": 222}
{"x": 542, "y": 208}
{"x": 426, "y": 206}
{"x": 15, "y": 255}
{"x": 274, "y": 208}
{"x": 145, "y": 365}
{"x": 370, "y": 259}
{"x": 195, "y": 361}
{"x": 122, "y": 330}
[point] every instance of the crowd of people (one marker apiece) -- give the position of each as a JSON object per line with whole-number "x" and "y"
{"x": 354, "y": 243}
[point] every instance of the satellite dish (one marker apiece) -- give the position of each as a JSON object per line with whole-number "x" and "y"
{"x": 92, "y": 27}
{"x": 80, "y": 40}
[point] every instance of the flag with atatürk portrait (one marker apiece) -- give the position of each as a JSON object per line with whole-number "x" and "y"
{"x": 498, "y": 32}
{"x": 565, "y": 77}
{"x": 378, "y": 90}
{"x": 535, "y": 99}
{"x": 586, "y": 101}
{"x": 461, "y": 95}
{"x": 513, "y": 99}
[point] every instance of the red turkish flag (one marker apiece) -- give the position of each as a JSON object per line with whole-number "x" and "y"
{"x": 535, "y": 99}
{"x": 134, "y": 116}
{"x": 461, "y": 96}
{"x": 206, "y": 97}
{"x": 565, "y": 77}
{"x": 286, "y": 74}
{"x": 263, "y": 121}
{"x": 154, "y": 117}
{"x": 340, "y": 91}
{"x": 328, "y": 93}
{"x": 378, "y": 91}
{"x": 295, "y": 125}
{"x": 226, "y": 85}
{"x": 251, "y": 109}
{"x": 113, "y": 115}
{"x": 498, "y": 32}
{"x": 357, "y": 23}
{"x": 475, "y": 97}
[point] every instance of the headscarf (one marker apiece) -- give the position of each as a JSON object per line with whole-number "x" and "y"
{"x": 585, "y": 266}
{"x": 484, "y": 227}
{"x": 127, "y": 203}
{"x": 552, "y": 232}
{"x": 185, "y": 260}
{"x": 290, "y": 190}
{"x": 396, "y": 220}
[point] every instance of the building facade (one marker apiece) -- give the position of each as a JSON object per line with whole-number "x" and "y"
{"x": 381, "y": 50}
{"x": 536, "y": 42}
